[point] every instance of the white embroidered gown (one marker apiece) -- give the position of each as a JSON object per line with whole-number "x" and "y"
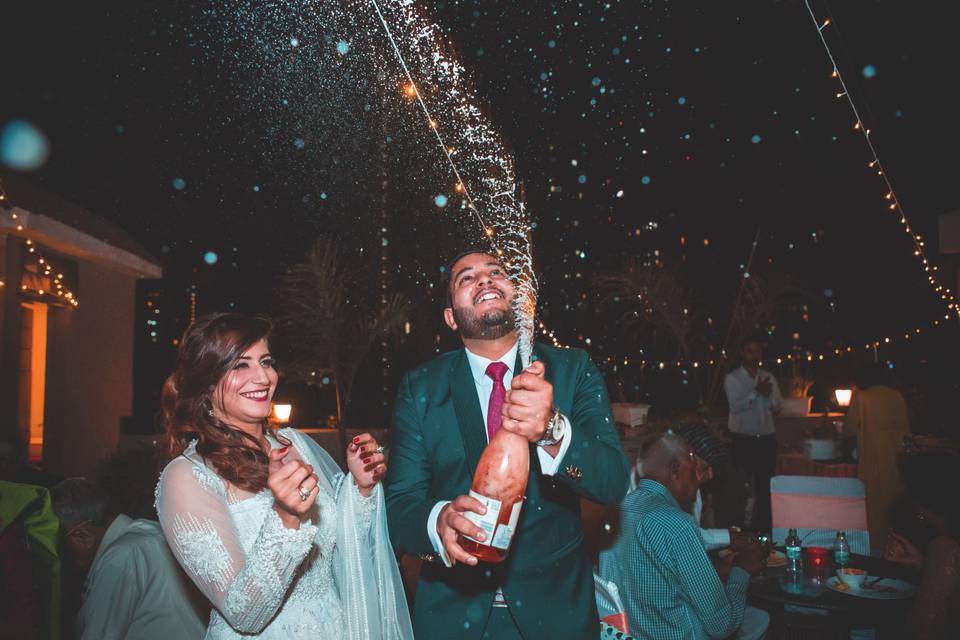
{"x": 333, "y": 578}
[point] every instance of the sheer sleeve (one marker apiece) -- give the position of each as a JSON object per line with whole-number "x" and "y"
{"x": 246, "y": 588}
{"x": 365, "y": 508}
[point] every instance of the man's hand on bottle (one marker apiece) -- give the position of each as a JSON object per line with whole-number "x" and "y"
{"x": 528, "y": 405}
{"x": 451, "y": 523}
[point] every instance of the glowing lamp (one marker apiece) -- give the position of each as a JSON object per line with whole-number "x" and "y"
{"x": 282, "y": 412}
{"x": 843, "y": 396}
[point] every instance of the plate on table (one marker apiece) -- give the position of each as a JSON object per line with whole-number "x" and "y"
{"x": 776, "y": 559}
{"x": 886, "y": 589}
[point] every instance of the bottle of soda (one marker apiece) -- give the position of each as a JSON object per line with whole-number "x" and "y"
{"x": 794, "y": 560}
{"x": 841, "y": 550}
{"x": 499, "y": 483}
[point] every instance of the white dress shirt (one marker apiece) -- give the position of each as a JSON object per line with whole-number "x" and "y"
{"x": 751, "y": 413}
{"x": 484, "y": 383}
{"x": 135, "y": 588}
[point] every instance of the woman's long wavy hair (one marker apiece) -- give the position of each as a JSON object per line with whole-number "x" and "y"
{"x": 210, "y": 349}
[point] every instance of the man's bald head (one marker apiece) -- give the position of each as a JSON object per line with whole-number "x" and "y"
{"x": 668, "y": 459}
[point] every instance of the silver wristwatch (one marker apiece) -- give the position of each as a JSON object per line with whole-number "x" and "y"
{"x": 555, "y": 431}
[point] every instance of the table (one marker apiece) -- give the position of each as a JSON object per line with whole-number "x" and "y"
{"x": 790, "y": 429}
{"x": 796, "y": 464}
{"x": 843, "y": 611}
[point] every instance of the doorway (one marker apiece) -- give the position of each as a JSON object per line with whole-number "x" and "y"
{"x": 33, "y": 375}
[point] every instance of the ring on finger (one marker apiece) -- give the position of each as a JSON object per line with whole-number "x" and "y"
{"x": 304, "y": 493}
{"x": 381, "y": 449}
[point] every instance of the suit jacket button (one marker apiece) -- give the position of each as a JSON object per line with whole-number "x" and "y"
{"x": 573, "y": 472}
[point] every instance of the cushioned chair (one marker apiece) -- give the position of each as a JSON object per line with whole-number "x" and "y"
{"x": 613, "y": 615}
{"x": 818, "y": 508}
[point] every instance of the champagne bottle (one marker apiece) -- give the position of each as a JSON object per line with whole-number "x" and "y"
{"x": 499, "y": 483}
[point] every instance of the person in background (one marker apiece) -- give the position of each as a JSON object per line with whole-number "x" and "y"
{"x": 929, "y": 467}
{"x": 878, "y": 416}
{"x": 754, "y": 397}
{"x": 709, "y": 453}
{"x": 19, "y": 602}
{"x": 132, "y": 586}
{"x": 668, "y": 584}
{"x": 30, "y": 563}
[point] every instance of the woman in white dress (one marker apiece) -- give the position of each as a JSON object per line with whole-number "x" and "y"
{"x": 278, "y": 538}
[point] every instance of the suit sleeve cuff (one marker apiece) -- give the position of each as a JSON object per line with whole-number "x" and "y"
{"x": 549, "y": 465}
{"x": 432, "y": 532}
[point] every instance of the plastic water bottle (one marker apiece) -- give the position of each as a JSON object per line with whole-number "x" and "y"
{"x": 794, "y": 561}
{"x": 841, "y": 550}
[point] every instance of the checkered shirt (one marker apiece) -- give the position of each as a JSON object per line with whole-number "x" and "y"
{"x": 669, "y": 587}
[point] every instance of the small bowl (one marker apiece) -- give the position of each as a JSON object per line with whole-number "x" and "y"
{"x": 853, "y": 577}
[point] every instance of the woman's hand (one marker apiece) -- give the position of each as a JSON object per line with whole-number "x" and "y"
{"x": 294, "y": 487}
{"x": 902, "y": 551}
{"x": 366, "y": 463}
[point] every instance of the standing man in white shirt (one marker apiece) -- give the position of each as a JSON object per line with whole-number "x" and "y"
{"x": 754, "y": 397}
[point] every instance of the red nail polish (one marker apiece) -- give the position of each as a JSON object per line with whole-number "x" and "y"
{"x": 362, "y": 449}
{"x": 356, "y": 440}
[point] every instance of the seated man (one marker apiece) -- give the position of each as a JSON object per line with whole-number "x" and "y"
{"x": 669, "y": 586}
{"x": 708, "y": 452}
{"x": 133, "y": 587}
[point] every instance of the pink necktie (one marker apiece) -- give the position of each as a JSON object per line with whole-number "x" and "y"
{"x": 495, "y": 370}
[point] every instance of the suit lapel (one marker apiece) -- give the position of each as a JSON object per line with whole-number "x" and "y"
{"x": 463, "y": 388}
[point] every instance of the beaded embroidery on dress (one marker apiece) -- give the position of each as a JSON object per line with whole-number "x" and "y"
{"x": 267, "y": 581}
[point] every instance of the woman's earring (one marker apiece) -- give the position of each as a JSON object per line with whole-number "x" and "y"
{"x": 210, "y": 412}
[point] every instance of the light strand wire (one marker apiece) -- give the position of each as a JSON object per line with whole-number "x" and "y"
{"x": 895, "y": 204}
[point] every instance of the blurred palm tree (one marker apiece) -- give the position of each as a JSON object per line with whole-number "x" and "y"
{"x": 328, "y": 321}
{"x": 661, "y": 312}
{"x": 760, "y": 303}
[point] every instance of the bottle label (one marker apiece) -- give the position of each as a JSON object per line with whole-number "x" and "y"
{"x": 841, "y": 557}
{"x": 793, "y": 553}
{"x": 497, "y": 536}
{"x": 501, "y": 539}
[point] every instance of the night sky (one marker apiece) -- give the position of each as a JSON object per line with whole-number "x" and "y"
{"x": 666, "y": 132}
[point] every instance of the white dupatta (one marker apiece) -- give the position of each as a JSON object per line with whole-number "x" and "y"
{"x": 364, "y": 566}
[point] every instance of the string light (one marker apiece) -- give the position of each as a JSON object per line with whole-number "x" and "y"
{"x": 800, "y": 355}
{"x": 478, "y": 150}
{"x": 943, "y": 292}
{"x": 42, "y": 266}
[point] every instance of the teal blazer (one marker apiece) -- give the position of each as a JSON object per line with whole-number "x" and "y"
{"x": 438, "y": 436}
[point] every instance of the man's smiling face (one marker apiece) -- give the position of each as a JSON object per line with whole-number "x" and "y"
{"x": 481, "y": 295}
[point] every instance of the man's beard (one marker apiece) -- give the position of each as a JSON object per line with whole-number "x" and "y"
{"x": 490, "y": 325}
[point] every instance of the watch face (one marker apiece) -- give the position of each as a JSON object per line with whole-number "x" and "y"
{"x": 555, "y": 429}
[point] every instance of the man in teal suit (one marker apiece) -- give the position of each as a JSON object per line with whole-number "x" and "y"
{"x": 544, "y": 589}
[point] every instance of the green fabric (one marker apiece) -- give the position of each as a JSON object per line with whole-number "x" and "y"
{"x": 31, "y": 505}
{"x": 438, "y": 436}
